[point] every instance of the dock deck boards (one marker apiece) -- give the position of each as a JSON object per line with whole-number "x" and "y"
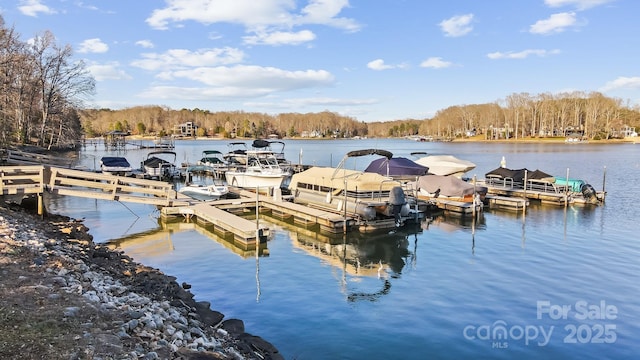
{"x": 223, "y": 221}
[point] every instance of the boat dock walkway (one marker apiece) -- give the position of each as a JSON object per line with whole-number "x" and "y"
{"x": 547, "y": 197}
{"x": 245, "y": 233}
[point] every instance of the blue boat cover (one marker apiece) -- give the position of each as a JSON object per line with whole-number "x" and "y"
{"x": 115, "y": 161}
{"x": 398, "y": 166}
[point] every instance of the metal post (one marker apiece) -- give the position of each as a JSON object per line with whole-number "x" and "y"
{"x": 344, "y": 224}
{"x": 604, "y": 180}
{"x": 566, "y": 196}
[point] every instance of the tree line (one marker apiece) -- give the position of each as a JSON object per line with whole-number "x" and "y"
{"x": 41, "y": 90}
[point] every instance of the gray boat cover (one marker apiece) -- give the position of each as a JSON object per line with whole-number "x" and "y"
{"x": 447, "y": 185}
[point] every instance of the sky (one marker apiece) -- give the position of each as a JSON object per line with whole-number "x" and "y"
{"x": 373, "y": 60}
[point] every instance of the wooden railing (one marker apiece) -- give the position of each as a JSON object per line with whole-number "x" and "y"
{"x": 34, "y": 179}
{"x": 109, "y": 187}
{"x": 21, "y": 180}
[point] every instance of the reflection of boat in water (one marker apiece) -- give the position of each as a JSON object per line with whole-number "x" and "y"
{"x": 358, "y": 254}
{"x": 363, "y": 260}
{"x": 369, "y": 195}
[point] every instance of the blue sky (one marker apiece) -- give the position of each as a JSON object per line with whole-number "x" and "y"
{"x": 374, "y": 60}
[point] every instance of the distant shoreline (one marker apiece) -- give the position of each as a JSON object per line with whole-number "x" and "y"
{"x": 480, "y": 138}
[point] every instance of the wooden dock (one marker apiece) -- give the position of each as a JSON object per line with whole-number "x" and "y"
{"x": 506, "y": 202}
{"x": 546, "y": 197}
{"x": 245, "y": 233}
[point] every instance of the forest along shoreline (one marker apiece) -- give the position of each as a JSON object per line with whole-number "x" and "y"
{"x": 63, "y": 296}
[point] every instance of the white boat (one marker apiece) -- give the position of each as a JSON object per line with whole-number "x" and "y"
{"x": 237, "y": 154}
{"x": 161, "y": 165}
{"x": 115, "y": 165}
{"x": 202, "y": 191}
{"x": 367, "y": 194}
{"x": 212, "y": 159}
{"x": 261, "y": 171}
{"x": 445, "y": 164}
{"x": 260, "y": 144}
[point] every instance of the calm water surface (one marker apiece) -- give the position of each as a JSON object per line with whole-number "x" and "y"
{"x": 555, "y": 284}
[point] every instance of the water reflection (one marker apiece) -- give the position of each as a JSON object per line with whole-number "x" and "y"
{"x": 157, "y": 242}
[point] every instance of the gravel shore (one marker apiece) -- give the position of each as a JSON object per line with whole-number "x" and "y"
{"x": 64, "y": 297}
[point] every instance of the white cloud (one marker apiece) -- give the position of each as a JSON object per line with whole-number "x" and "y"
{"x": 108, "y": 71}
{"x": 181, "y": 58}
{"x": 379, "y": 65}
{"x": 94, "y": 45}
{"x": 326, "y": 12}
{"x": 33, "y": 7}
{"x": 457, "y": 25}
{"x": 259, "y": 77}
{"x": 579, "y": 4}
{"x": 280, "y": 38}
{"x": 522, "y": 54}
{"x": 622, "y": 82}
{"x": 147, "y": 44}
{"x": 317, "y": 101}
{"x": 238, "y": 82}
{"x": 252, "y": 14}
{"x": 554, "y": 24}
{"x": 435, "y": 63}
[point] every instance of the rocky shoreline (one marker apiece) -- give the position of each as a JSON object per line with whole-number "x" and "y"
{"x": 64, "y": 297}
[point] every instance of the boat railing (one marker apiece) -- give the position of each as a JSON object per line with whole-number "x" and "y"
{"x": 506, "y": 182}
{"x": 546, "y": 186}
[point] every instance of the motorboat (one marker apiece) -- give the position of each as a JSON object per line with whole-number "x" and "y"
{"x": 115, "y": 165}
{"x": 272, "y": 145}
{"x": 161, "y": 165}
{"x": 445, "y": 164}
{"x": 262, "y": 171}
{"x": 399, "y": 168}
{"x": 577, "y": 190}
{"x": 212, "y": 159}
{"x": 368, "y": 194}
{"x": 203, "y": 191}
{"x": 237, "y": 154}
{"x": 449, "y": 187}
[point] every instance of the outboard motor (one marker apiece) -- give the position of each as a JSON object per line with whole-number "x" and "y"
{"x": 397, "y": 200}
{"x": 589, "y": 193}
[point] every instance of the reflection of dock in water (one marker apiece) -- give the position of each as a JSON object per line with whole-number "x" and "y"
{"x": 152, "y": 243}
{"x": 158, "y": 242}
{"x": 237, "y": 247}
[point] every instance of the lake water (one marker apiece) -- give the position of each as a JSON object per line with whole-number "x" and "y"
{"x": 556, "y": 283}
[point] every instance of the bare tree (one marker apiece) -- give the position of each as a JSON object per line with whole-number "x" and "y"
{"x": 59, "y": 81}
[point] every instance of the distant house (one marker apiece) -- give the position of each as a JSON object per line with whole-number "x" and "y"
{"x": 185, "y": 129}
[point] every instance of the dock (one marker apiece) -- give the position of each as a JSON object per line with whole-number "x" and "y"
{"x": 245, "y": 233}
{"x": 506, "y": 202}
